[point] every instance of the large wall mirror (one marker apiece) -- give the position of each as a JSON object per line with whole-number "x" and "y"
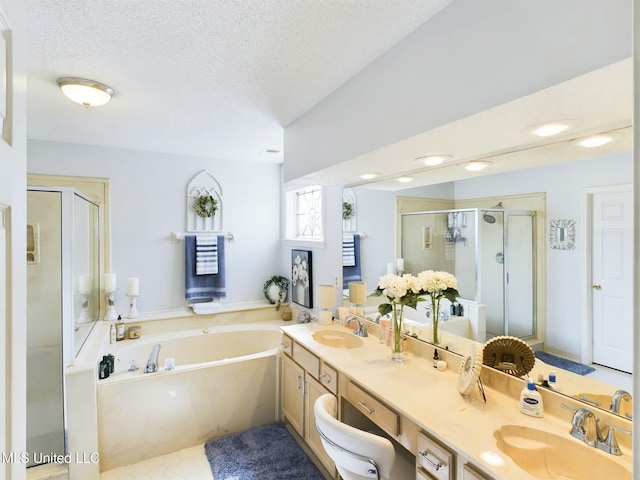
{"x": 551, "y": 296}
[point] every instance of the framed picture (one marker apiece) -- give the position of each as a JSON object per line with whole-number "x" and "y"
{"x": 301, "y": 280}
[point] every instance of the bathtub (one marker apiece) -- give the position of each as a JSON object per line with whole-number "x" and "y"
{"x": 225, "y": 380}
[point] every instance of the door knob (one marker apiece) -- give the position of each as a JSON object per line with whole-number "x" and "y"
{"x": 596, "y": 286}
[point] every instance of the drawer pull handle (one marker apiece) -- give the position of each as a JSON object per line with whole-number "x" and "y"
{"x": 284, "y": 346}
{"x": 298, "y": 383}
{"x": 325, "y": 377}
{"x": 366, "y": 408}
{"x": 437, "y": 464}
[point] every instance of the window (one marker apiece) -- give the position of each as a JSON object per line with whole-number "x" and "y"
{"x": 304, "y": 214}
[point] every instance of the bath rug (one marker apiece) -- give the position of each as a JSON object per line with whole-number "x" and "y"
{"x": 268, "y": 452}
{"x": 564, "y": 363}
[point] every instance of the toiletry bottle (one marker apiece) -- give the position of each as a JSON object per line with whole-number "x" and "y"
{"x": 553, "y": 381}
{"x": 452, "y": 309}
{"x": 112, "y": 363}
{"x": 103, "y": 369}
{"x": 112, "y": 333}
{"x": 460, "y": 310}
{"x": 120, "y": 328}
{"x": 435, "y": 358}
{"x": 531, "y": 400}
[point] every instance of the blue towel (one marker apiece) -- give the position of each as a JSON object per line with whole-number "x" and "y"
{"x": 353, "y": 273}
{"x": 203, "y": 288}
{"x": 348, "y": 251}
{"x": 206, "y": 254}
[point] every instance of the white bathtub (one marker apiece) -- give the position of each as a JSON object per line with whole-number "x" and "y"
{"x": 225, "y": 381}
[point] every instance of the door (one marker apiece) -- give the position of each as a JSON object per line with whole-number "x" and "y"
{"x": 612, "y": 279}
{"x": 293, "y": 394}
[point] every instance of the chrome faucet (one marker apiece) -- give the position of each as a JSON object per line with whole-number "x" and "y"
{"x": 360, "y": 329}
{"x": 152, "y": 363}
{"x": 585, "y": 427}
{"x": 617, "y": 398}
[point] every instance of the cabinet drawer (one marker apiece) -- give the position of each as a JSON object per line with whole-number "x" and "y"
{"x": 287, "y": 345}
{"x": 306, "y": 360}
{"x": 329, "y": 378}
{"x": 422, "y": 475}
{"x": 469, "y": 472}
{"x": 384, "y": 417}
{"x": 435, "y": 458}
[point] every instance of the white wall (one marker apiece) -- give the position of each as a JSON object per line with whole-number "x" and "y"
{"x": 503, "y": 49}
{"x": 148, "y": 202}
{"x": 13, "y": 316}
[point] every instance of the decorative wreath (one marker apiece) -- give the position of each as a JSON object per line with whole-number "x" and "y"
{"x": 205, "y": 206}
{"x": 347, "y": 210}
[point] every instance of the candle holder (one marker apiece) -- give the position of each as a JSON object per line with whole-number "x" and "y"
{"x": 111, "y": 306}
{"x": 84, "y": 313}
{"x": 133, "y": 309}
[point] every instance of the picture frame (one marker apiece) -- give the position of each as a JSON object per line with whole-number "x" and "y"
{"x": 301, "y": 278}
{"x": 562, "y": 234}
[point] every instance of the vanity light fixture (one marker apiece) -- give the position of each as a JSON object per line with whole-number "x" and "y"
{"x": 476, "y": 166}
{"x": 405, "y": 179}
{"x": 434, "y": 160}
{"x": 593, "y": 141}
{"x": 549, "y": 129}
{"x": 87, "y": 93}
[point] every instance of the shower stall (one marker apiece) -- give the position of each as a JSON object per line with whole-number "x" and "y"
{"x": 490, "y": 251}
{"x": 62, "y": 306}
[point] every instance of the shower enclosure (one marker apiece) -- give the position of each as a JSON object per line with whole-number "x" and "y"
{"x": 62, "y": 306}
{"x": 490, "y": 251}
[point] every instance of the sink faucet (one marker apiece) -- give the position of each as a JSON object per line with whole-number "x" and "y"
{"x": 360, "y": 329}
{"x": 585, "y": 427}
{"x": 152, "y": 363}
{"x": 617, "y": 398}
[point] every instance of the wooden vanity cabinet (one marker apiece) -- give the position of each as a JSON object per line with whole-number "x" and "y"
{"x": 305, "y": 378}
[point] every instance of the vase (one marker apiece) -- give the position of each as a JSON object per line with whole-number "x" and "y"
{"x": 300, "y": 294}
{"x": 397, "y": 350}
{"x": 435, "y": 311}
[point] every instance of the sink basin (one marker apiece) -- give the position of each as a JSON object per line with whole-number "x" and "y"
{"x": 549, "y": 456}
{"x": 337, "y": 339}
{"x": 604, "y": 401}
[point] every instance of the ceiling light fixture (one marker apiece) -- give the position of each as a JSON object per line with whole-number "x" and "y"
{"x": 477, "y": 166}
{"x": 87, "y": 93}
{"x": 434, "y": 160}
{"x": 593, "y": 141}
{"x": 369, "y": 176}
{"x": 405, "y": 179}
{"x": 549, "y": 129}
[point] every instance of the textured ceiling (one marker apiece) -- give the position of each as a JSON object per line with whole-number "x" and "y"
{"x": 213, "y": 78}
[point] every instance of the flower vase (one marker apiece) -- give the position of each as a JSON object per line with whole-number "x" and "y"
{"x": 397, "y": 350}
{"x": 300, "y": 294}
{"x": 435, "y": 310}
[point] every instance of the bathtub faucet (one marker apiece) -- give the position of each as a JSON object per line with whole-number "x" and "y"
{"x": 152, "y": 363}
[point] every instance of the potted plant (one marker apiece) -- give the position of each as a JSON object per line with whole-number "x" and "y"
{"x": 275, "y": 290}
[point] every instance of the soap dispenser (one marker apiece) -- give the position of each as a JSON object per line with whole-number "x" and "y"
{"x": 531, "y": 400}
{"x": 120, "y": 329}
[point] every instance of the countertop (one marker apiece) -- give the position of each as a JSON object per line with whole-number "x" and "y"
{"x": 430, "y": 399}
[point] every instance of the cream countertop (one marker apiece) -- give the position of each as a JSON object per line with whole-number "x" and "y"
{"x": 430, "y": 399}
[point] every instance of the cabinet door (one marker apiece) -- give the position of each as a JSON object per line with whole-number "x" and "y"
{"x": 293, "y": 394}
{"x": 315, "y": 390}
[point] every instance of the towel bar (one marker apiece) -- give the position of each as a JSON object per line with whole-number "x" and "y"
{"x": 177, "y": 237}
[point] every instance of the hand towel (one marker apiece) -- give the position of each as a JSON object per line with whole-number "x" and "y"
{"x": 204, "y": 288}
{"x": 352, "y": 273}
{"x": 206, "y": 254}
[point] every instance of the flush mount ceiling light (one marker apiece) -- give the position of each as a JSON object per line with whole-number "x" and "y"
{"x": 593, "y": 141}
{"x": 433, "y": 160}
{"x": 549, "y": 129}
{"x": 369, "y": 176}
{"x": 87, "y": 93}
{"x": 405, "y": 179}
{"x": 477, "y": 166}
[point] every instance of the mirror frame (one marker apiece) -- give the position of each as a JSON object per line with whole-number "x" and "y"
{"x": 562, "y": 234}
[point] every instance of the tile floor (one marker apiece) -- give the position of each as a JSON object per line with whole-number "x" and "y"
{"x": 620, "y": 379}
{"x": 188, "y": 464}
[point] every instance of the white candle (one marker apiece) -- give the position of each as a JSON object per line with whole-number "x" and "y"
{"x": 391, "y": 268}
{"x": 84, "y": 284}
{"x": 400, "y": 264}
{"x": 133, "y": 286}
{"x": 110, "y": 282}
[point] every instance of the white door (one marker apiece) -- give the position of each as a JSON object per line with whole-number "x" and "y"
{"x": 612, "y": 279}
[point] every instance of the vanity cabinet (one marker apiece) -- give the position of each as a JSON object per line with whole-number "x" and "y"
{"x": 434, "y": 460}
{"x": 305, "y": 378}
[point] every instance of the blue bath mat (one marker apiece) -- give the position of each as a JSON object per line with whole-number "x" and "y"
{"x": 564, "y": 363}
{"x": 268, "y": 452}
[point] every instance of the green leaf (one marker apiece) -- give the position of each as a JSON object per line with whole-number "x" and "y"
{"x": 385, "y": 308}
